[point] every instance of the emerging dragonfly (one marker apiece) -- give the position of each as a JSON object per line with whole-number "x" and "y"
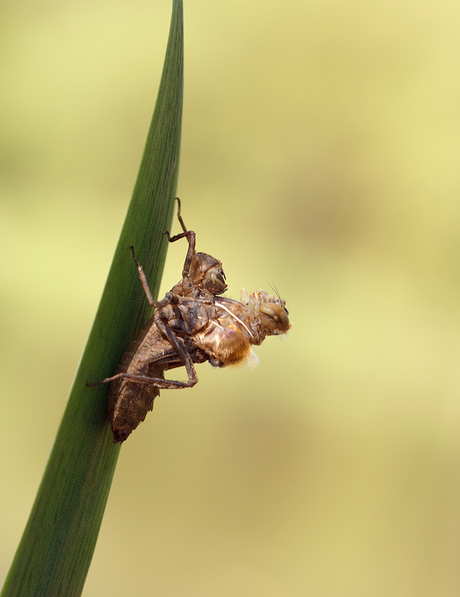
{"x": 191, "y": 325}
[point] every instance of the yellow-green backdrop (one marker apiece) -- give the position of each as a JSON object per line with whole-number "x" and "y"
{"x": 321, "y": 150}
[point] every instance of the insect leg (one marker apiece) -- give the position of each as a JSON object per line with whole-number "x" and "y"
{"x": 145, "y": 285}
{"x": 181, "y": 351}
{"x": 179, "y": 217}
{"x": 164, "y": 384}
{"x": 190, "y": 235}
{"x": 161, "y": 383}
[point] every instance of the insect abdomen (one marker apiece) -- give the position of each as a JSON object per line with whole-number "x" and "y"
{"x": 129, "y": 402}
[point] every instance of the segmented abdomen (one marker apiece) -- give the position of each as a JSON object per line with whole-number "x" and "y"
{"x": 129, "y": 402}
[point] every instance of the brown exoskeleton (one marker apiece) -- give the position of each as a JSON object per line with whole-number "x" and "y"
{"x": 192, "y": 324}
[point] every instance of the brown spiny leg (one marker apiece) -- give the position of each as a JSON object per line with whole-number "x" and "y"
{"x": 168, "y": 298}
{"x": 189, "y": 235}
{"x": 164, "y": 384}
{"x": 177, "y": 344}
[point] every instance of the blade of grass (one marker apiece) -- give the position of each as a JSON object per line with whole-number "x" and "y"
{"x": 55, "y": 551}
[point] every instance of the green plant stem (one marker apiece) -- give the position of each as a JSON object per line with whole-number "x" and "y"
{"x": 55, "y": 552}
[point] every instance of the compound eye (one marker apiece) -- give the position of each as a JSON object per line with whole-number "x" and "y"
{"x": 276, "y": 312}
{"x": 215, "y": 281}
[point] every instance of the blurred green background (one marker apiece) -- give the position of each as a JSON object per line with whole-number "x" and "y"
{"x": 321, "y": 149}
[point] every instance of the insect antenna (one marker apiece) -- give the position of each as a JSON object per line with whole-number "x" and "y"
{"x": 275, "y": 290}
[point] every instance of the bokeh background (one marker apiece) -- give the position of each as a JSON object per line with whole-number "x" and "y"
{"x": 321, "y": 149}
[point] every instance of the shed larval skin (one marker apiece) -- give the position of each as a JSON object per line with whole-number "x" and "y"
{"x": 192, "y": 324}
